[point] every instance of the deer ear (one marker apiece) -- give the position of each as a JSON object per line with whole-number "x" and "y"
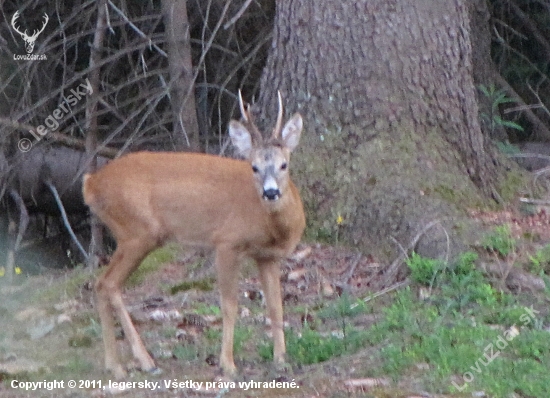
{"x": 292, "y": 131}
{"x": 240, "y": 137}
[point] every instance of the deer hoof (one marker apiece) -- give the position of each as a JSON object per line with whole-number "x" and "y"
{"x": 156, "y": 371}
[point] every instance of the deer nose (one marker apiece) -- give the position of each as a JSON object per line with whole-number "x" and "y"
{"x": 271, "y": 188}
{"x": 271, "y": 194}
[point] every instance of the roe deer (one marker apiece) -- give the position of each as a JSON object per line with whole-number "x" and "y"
{"x": 239, "y": 208}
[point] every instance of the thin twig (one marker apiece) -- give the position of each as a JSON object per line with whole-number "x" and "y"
{"x": 539, "y": 202}
{"x": 351, "y": 269}
{"x": 382, "y": 292}
{"x": 521, "y": 108}
{"x": 542, "y": 105}
{"x": 540, "y": 127}
{"x": 237, "y": 15}
{"x": 66, "y": 219}
{"x": 137, "y": 30}
{"x": 529, "y": 155}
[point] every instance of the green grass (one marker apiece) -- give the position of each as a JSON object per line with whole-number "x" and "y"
{"x": 453, "y": 332}
{"x": 204, "y": 285}
{"x": 77, "y": 277}
{"x": 452, "y": 344}
{"x": 308, "y": 345}
{"x": 69, "y": 287}
{"x": 539, "y": 263}
{"x": 500, "y": 241}
{"x": 465, "y": 325}
{"x": 152, "y": 262}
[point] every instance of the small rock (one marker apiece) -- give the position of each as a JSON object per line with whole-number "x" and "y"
{"x": 296, "y": 274}
{"x": 301, "y": 254}
{"x": 163, "y": 315}
{"x": 63, "y": 318}
{"x": 366, "y": 383}
{"x": 245, "y": 312}
{"x": 326, "y": 288}
{"x": 44, "y": 327}
{"x": 66, "y": 305}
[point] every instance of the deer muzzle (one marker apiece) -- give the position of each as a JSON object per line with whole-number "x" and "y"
{"x": 271, "y": 189}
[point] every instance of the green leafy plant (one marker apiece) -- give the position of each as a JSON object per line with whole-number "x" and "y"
{"x": 207, "y": 309}
{"x": 497, "y": 97}
{"x": 242, "y": 336}
{"x": 185, "y": 352}
{"x": 310, "y": 346}
{"x": 460, "y": 283}
{"x": 500, "y": 241}
{"x": 466, "y": 285}
{"x": 423, "y": 270}
{"x": 539, "y": 263}
{"x": 507, "y": 148}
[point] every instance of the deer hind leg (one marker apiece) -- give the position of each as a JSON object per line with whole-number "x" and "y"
{"x": 270, "y": 278}
{"x": 227, "y": 265}
{"x": 126, "y": 259}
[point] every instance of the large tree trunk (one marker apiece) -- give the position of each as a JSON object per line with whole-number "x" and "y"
{"x": 186, "y": 128}
{"x": 392, "y": 139}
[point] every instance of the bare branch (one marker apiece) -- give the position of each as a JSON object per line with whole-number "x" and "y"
{"x": 137, "y": 30}
{"x": 541, "y": 131}
{"x": 531, "y": 26}
{"x": 237, "y": 15}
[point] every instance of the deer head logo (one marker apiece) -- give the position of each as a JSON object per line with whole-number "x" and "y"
{"x": 29, "y": 40}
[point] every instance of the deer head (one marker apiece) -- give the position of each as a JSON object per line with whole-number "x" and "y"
{"x": 269, "y": 157}
{"x": 29, "y": 40}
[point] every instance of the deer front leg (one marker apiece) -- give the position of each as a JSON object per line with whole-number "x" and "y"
{"x": 270, "y": 278}
{"x": 227, "y": 264}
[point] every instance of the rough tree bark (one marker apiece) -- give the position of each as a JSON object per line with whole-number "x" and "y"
{"x": 392, "y": 139}
{"x": 186, "y": 128}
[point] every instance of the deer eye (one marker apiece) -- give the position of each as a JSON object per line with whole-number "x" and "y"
{"x": 255, "y": 169}
{"x": 284, "y": 166}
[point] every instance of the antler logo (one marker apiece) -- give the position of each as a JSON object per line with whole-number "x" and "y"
{"x": 29, "y": 40}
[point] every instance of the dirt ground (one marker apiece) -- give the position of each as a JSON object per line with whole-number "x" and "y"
{"x": 49, "y": 328}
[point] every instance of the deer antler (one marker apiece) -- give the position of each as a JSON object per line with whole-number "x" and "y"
{"x": 279, "y": 123}
{"x": 244, "y": 112}
{"x": 14, "y": 18}
{"x": 249, "y": 120}
{"x": 46, "y": 19}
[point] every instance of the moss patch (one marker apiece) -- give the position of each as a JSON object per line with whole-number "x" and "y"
{"x": 513, "y": 182}
{"x": 204, "y": 285}
{"x": 152, "y": 262}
